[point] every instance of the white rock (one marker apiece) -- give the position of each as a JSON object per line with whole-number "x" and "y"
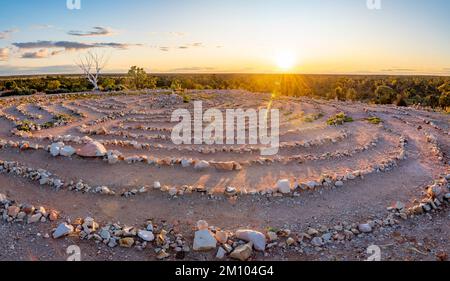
{"x": 3, "y": 198}
{"x": 55, "y": 148}
{"x": 34, "y": 218}
{"x": 204, "y": 241}
{"x": 365, "y": 228}
{"x": 339, "y": 184}
{"x": 185, "y": 163}
{"x": 201, "y": 165}
{"x": 173, "y": 191}
{"x": 67, "y": 151}
{"x": 62, "y": 230}
{"x": 221, "y": 253}
{"x": 104, "y": 233}
{"x": 113, "y": 159}
{"x": 317, "y": 241}
{"x": 257, "y": 238}
{"x": 202, "y": 225}
{"x": 156, "y": 185}
{"x": 146, "y": 235}
{"x": 284, "y": 186}
{"x": 311, "y": 184}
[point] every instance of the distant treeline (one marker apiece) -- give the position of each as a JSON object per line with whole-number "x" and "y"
{"x": 429, "y": 91}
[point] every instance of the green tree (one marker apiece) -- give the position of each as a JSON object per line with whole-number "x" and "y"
{"x": 444, "y": 100}
{"x": 108, "y": 84}
{"x": 339, "y": 93}
{"x": 352, "y": 94}
{"x": 10, "y": 85}
{"x": 53, "y": 85}
{"x": 176, "y": 85}
{"x": 139, "y": 79}
{"x": 384, "y": 95}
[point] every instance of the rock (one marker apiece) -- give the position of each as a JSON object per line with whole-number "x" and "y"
{"x": 221, "y": 237}
{"x": 105, "y": 234}
{"x": 290, "y": 241}
{"x": 339, "y": 184}
{"x": 43, "y": 180}
{"x": 426, "y": 207}
{"x": 272, "y": 236}
{"x": 201, "y": 165}
{"x": 230, "y": 190}
{"x": 67, "y": 151}
{"x": 62, "y": 230}
{"x": 242, "y": 252}
{"x": 204, "y": 241}
{"x": 365, "y": 228}
{"x": 202, "y": 225}
{"x": 21, "y": 215}
{"x": 327, "y": 237}
{"x": 447, "y": 196}
{"x": 435, "y": 191}
{"x": 225, "y": 166}
{"x": 312, "y": 184}
{"x": 146, "y": 235}
{"x": 53, "y": 215}
{"x": 34, "y": 218}
{"x": 162, "y": 255}
{"x": 112, "y": 243}
{"x": 257, "y": 238}
{"x": 157, "y": 185}
{"x": 13, "y": 211}
{"x": 317, "y": 241}
{"x": 28, "y": 209}
{"x": 55, "y": 148}
{"x": 3, "y": 198}
{"x": 227, "y": 248}
{"x": 126, "y": 242}
{"x": 221, "y": 253}
{"x": 113, "y": 156}
{"x": 173, "y": 191}
{"x": 92, "y": 149}
{"x": 186, "y": 163}
{"x": 312, "y": 231}
{"x": 284, "y": 186}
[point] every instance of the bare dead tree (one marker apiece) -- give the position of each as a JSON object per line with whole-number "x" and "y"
{"x": 92, "y": 64}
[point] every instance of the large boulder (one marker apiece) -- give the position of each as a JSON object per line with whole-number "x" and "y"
{"x": 257, "y": 238}
{"x": 92, "y": 149}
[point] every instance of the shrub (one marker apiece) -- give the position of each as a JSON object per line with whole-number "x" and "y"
{"x": 339, "y": 119}
{"x": 186, "y": 98}
{"x": 25, "y": 126}
{"x": 374, "y": 120}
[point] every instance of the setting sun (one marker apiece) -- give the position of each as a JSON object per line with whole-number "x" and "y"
{"x": 285, "y": 60}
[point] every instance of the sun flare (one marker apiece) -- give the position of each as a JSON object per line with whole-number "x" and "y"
{"x": 285, "y": 60}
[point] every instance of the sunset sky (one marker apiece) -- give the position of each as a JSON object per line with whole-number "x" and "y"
{"x": 315, "y": 36}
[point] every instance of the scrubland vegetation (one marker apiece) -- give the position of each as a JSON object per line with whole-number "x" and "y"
{"x": 400, "y": 90}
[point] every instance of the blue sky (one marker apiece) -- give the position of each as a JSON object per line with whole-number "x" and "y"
{"x": 316, "y": 36}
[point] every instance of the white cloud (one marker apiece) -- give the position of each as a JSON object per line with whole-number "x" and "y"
{"x": 6, "y": 33}
{"x": 4, "y": 54}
